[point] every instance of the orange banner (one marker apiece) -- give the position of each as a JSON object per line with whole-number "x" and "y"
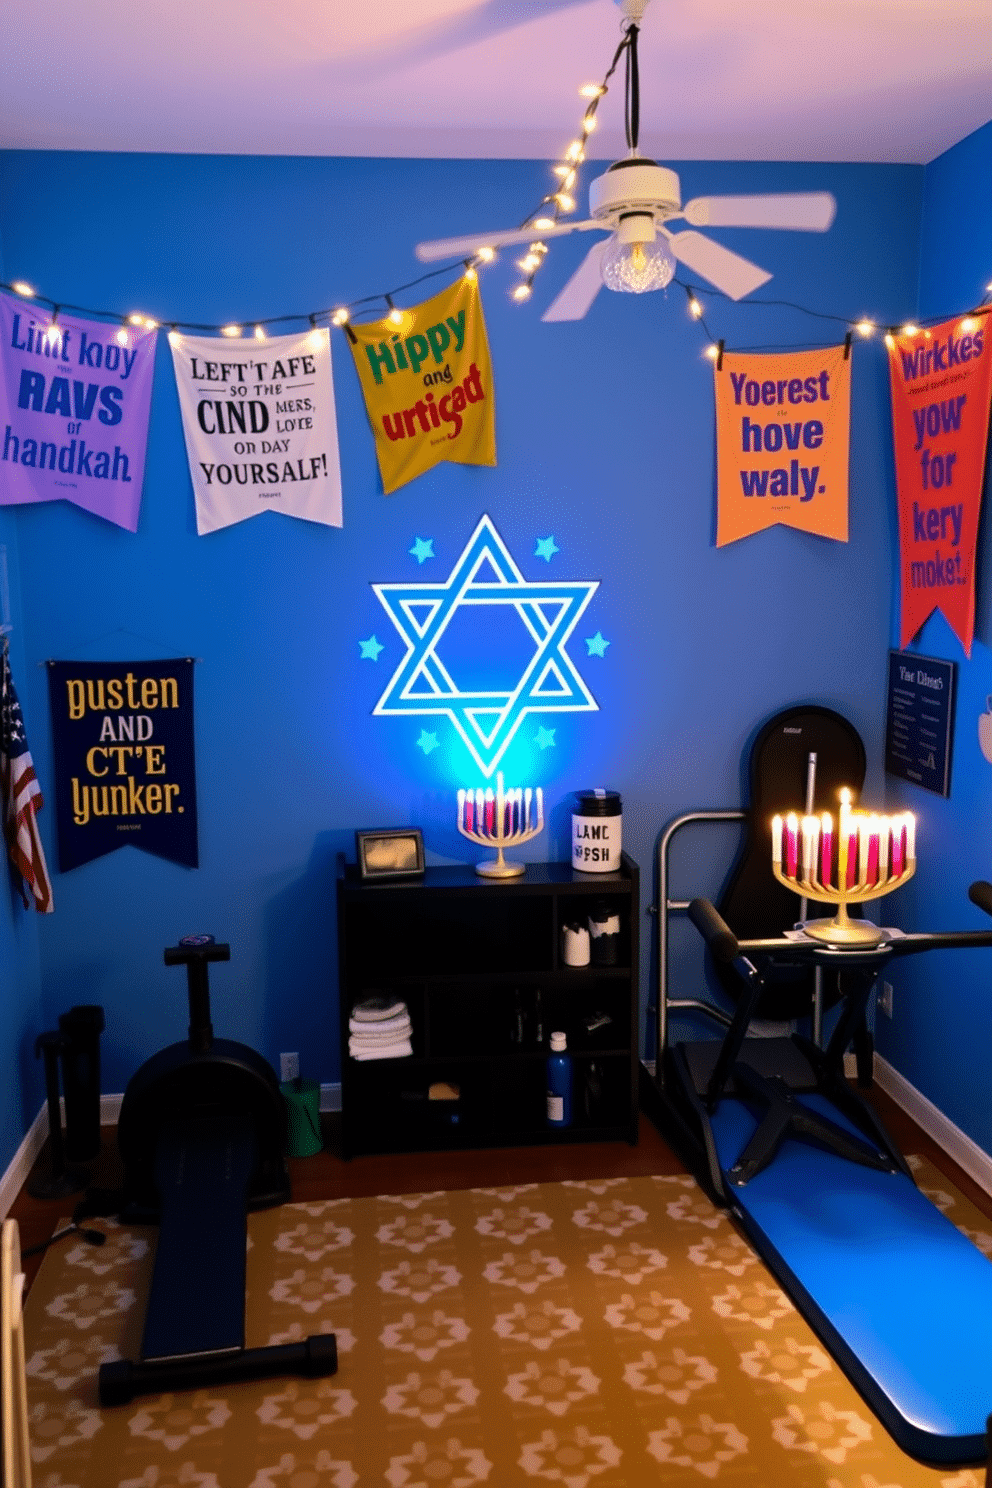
{"x": 941, "y": 382}
{"x": 428, "y": 384}
{"x": 782, "y": 431}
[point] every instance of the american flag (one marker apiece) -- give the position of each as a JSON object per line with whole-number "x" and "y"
{"x": 21, "y": 799}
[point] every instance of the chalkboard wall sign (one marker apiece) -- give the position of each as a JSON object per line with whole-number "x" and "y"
{"x": 919, "y": 723}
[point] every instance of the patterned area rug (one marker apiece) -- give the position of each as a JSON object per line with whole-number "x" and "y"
{"x": 599, "y": 1334}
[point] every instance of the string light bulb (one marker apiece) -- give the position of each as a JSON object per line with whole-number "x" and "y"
{"x": 340, "y": 316}
{"x": 968, "y": 325}
{"x": 695, "y": 308}
{"x": 712, "y": 352}
{"x": 522, "y": 292}
{"x": 865, "y": 328}
{"x": 470, "y": 274}
{"x": 259, "y": 333}
{"x": 910, "y": 330}
{"x": 543, "y": 223}
{"x": 890, "y": 340}
{"x": 486, "y": 254}
{"x": 230, "y": 330}
{"x": 122, "y": 336}
{"x": 21, "y": 287}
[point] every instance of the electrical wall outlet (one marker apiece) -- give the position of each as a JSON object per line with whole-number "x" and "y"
{"x": 289, "y": 1067}
{"x": 885, "y": 999}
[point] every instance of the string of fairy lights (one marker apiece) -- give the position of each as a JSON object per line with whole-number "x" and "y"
{"x": 555, "y": 204}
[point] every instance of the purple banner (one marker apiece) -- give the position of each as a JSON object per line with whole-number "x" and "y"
{"x": 74, "y": 402}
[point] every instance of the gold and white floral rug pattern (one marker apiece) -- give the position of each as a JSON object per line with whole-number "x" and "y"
{"x": 600, "y": 1334}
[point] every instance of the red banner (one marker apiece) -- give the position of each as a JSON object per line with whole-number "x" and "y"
{"x": 941, "y": 387}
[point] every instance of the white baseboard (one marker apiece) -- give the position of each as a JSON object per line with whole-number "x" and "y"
{"x": 974, "y": 1160}
{"x": 22, "y": 1162}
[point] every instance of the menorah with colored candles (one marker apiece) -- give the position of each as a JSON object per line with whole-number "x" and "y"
{"x": 870, "y": 856}
{"x": 500, "y": 818}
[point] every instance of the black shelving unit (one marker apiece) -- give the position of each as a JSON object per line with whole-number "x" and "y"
{"x": 479, "y": 966}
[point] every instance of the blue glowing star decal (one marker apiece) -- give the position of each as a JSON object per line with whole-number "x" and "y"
{"x": 427, "y": 741}
{"x": 546, "y": 548}
{"x": 423, "y": 547}
{"x": 597, "y": 644}
{"x": 545, "y": 738}
{"x": 370, "y": 649}
{"x": 485, "y": 575}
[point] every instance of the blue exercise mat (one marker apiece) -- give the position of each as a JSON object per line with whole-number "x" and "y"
{"x": 901, "y": 1298}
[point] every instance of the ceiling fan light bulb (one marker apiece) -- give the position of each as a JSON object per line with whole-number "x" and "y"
{"x": 638, "y": 267}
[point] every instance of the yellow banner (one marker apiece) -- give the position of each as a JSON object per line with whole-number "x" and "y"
{"x": 783, "y": 431}
{"x": 428, "y": 385}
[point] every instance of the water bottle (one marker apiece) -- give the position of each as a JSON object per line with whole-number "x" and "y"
{"x": 559, "y": 1083}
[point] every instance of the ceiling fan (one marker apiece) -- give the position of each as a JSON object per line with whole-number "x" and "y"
{"x": 633, "y": 201}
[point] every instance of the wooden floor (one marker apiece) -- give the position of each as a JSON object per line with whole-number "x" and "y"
{"x": 327, "y": 1176}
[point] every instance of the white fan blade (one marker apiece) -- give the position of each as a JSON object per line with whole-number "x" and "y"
{"x": 573, "y": 302}
{"x": 812, "y": 211}
{"x": 734, "y": 275}
{"x": 469, "y": 246}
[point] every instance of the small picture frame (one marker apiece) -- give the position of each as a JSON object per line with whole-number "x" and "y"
{"x": 392, "y": 852}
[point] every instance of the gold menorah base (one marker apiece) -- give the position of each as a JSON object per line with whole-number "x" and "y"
{"x": 498, "y": 867}
{"x": 841, "y": 931}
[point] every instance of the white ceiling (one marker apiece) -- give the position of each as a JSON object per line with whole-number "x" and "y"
{"x": 832, "y": 80}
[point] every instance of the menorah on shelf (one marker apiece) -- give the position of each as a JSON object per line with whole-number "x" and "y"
{"x": 874, "y": 855}
{"x": 500, "y": 819}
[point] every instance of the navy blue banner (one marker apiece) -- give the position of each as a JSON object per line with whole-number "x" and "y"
{"x": 125, "y": 770}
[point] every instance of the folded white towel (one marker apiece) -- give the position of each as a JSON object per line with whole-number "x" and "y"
{"x": 396, "y": 1050}
{"x": 384, "y": 1029}
{"x": 377, "y": 1009}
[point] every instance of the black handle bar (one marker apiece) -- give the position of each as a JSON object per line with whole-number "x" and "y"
{"x": 726, "y": 947}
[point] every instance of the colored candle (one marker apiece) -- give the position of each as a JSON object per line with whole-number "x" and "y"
{"x": 910, "y": 838}
{"x": 863, "y": 845}
{"x": 791, "y": 844}
{"x": 826, "y": 849}
{"x": 490, "y": 812}
{"x": 897, "y": 861}
{"x": 540, "y": 808}
{"x": 872, "y": 864}
{"x": 461, "y": 809}
{"x": 844, "y": 840}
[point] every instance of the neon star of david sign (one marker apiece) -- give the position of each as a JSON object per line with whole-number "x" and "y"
{"x": 487, "y": 721}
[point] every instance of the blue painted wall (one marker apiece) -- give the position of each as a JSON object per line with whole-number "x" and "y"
{"x": 20, "y": 977}
{"x": 605, "y": 441}
{"x": 940, "y": 1037}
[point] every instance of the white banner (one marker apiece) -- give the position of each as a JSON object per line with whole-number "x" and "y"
{"x": 261, "y": 430}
